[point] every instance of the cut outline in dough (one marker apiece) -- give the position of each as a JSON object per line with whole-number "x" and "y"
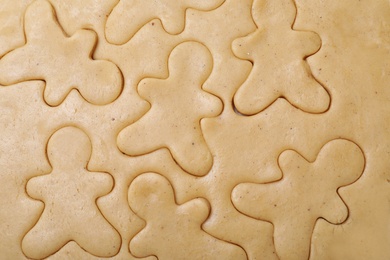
{"x": 307, "y": 65}
{"x": 57, "y": 130}
{"x": 198, "y": 127}
{"x": 82, "y": 34}
{"x": 178, "y": 205}
{"x": 130, "y": 36}
{"x": 336, "y": 191}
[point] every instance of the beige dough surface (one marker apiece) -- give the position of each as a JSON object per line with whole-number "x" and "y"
{"x": 211, "y": 129}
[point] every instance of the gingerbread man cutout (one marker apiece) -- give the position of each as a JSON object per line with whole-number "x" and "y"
{"x": 306, "y": 192}
{"x": 178, "y": 103}
{"x": 64, "y": 63}
{"x": 278, "y": 55}
{"x": 69, "y": 194}
{"x": 173, "y": 231}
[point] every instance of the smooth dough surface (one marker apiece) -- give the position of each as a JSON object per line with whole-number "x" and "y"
{"x": 221, "y": 129}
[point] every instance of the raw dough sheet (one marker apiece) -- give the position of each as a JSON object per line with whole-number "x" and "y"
{"x": 195, "y": 129}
